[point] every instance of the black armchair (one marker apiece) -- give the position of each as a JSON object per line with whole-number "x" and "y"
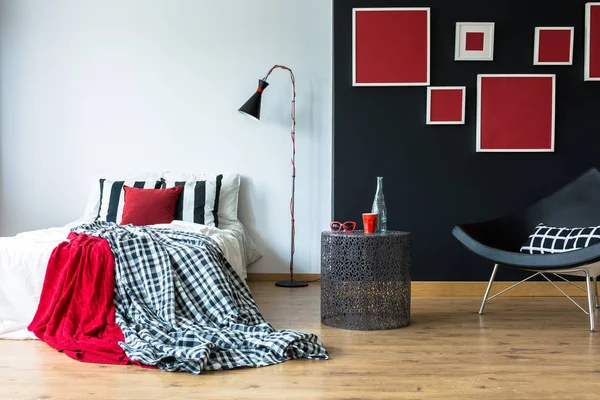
{"x": 499, "y": 240}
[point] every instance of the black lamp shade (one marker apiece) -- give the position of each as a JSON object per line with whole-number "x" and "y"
{"x": 252, "y": 106}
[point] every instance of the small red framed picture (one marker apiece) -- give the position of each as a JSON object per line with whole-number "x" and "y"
{"x": 390, "y": 46}
{"x": 592, "y": 42}
{"x": 474, "y": 41}
{"x": 553, "y": 46}
{"x": 446, "y": 105}
{"x": 515, "y": 113}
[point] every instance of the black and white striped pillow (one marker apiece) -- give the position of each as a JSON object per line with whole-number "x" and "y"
{"x": 112, "y": 197}
{"x": 551, "y": 240}
{"x": 199, "y": 200}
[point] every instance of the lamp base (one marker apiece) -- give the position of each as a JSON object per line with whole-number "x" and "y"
{"x": 291, "y": 283}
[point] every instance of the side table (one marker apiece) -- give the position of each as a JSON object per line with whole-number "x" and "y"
{"x": 365, "y": 280}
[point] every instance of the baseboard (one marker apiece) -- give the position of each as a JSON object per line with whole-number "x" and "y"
{"x": 281, "y": 277}
{"x": 456, "y": 289}
{"x": 477, "y": 289}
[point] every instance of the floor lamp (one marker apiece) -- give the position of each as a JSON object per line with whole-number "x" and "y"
{"x": 252, "y": 109}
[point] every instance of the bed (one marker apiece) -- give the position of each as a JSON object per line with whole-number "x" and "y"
{"x": 153, "y": 274}
{"x": 24, "y": 257}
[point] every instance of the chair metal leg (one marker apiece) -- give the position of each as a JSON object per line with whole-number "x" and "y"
{"x": 596, "y": 291}
{"x": 590, "y": 300}
{"x": 487, "y": 291}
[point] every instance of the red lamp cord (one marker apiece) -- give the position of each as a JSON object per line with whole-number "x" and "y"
{"x": 293, "y": 136}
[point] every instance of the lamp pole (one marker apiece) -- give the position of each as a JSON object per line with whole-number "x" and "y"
{"x": 252, "y": 108}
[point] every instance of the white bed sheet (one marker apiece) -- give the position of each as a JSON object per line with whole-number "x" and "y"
{"x": 24, "y": 258}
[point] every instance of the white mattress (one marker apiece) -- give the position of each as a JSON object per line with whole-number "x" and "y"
{"x": 24, "y": 257}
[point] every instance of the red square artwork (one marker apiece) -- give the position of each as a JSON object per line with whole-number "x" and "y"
{"x": 592, "y": 42}
{"x": 516, "y": 112}
{"x": 446, "y": 105}
{"x": 474, "y": 41}
{"x": 391, "y": 47}
{"x": 553, "y": 46}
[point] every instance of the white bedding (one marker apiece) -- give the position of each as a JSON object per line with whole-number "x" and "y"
{"x": 24, "y": 257}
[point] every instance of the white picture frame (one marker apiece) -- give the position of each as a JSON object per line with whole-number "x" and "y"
{"x": 536, "y": 44}
{"x": 431, "y": 89}
{"x": 461, "y": 53}
{"x": 478, "y": 145}
{"x": 588, "y": 41}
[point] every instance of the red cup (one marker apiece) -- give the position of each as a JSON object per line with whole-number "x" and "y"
{"x": 369, "y": 222}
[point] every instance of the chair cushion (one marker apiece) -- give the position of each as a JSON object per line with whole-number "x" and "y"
{"x": 551, "y": 240}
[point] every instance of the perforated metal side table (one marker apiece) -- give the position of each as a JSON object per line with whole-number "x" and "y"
{"x": 365, "y": 280}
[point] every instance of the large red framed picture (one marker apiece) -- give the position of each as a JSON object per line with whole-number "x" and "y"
{"x": 592, "y": 42}
{"x": 516, "y": 113}
{"x": 391, "y": 46}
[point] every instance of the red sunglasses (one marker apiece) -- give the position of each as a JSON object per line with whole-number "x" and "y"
{"x": 347, "y": 226}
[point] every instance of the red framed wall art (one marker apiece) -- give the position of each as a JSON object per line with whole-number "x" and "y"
{"x": 391, "y": 47}
{"x": 592, "y": 42}
{"x": 474, "y": 41}
{"x": 553, "y": 46}
{"x": 516, "y": 113}
{"x": 446, "y": 105}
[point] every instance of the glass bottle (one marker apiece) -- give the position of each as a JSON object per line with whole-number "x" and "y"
{"x": 379, "y": 207}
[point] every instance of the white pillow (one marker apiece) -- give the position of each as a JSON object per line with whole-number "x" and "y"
{"x": 112, "y": 203}
{"x": 92, "y": 206}
{"x": 229, "y": 195}
{"x": 197, "y": 202}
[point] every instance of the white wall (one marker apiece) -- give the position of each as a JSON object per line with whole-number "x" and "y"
{"x": 121, "y": 86}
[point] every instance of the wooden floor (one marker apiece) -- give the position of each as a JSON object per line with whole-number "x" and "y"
{"x": 523, "y": 348}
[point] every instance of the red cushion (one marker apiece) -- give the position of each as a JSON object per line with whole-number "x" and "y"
{"x": 149, "y": 206}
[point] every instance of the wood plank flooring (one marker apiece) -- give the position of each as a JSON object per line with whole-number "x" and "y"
{"x": 523, "y": 348}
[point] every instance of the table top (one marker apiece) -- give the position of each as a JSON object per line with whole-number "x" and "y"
{"x": 363, "y": 234}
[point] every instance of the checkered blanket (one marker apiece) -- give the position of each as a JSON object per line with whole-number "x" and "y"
{"x": 182, "y": 307}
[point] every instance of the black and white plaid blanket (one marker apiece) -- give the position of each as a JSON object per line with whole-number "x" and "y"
{"x": 182, "y": 307}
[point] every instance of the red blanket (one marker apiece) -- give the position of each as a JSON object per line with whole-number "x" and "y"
{"x": 76, "y": 314}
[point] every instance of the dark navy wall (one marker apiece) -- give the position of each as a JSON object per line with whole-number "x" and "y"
{"x": 433, "y": 178}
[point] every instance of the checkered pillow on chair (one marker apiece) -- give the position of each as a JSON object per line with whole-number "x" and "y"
{"x": 550, "y": 240}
